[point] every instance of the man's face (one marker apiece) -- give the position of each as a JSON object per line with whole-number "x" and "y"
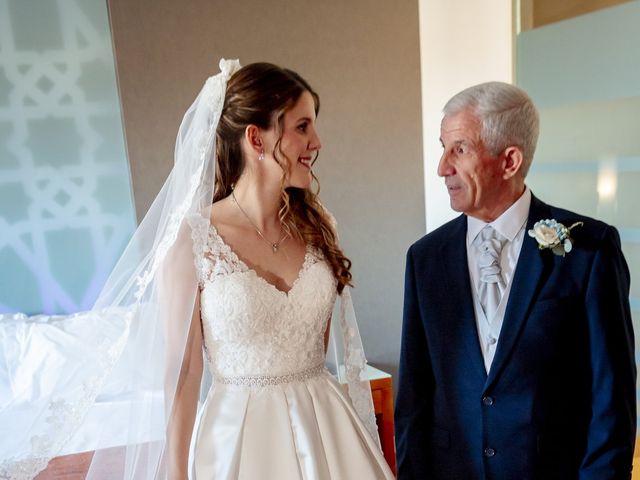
{"x": 472, "y": 175}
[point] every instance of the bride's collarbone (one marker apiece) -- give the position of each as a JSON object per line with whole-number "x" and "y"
{"x": 281, "y": 267}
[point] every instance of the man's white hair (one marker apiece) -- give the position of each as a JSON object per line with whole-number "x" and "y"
{"x": 507, "y": 115}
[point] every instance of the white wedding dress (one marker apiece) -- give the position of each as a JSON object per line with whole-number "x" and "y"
{"x": 273, "y": 411}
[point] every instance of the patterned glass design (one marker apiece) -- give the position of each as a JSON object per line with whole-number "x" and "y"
{"x": 66, "y": 206}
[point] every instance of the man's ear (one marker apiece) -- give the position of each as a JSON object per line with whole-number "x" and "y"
{"x": 253, "y": 137}
{"x": 512, "y": 160}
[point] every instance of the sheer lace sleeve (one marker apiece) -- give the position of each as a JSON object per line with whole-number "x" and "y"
{"x": 353, "y": 365}
{"x": 212, "y": 256}
{"x": 200, "y": 236}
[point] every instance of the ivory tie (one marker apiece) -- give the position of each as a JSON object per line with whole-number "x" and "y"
{"x": 489, "y": 244}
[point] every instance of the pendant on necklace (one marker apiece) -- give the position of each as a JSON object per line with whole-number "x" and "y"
{"x": 275, "y": 247}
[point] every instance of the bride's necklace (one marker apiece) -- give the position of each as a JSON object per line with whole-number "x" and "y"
{"x": 274, "y": 246}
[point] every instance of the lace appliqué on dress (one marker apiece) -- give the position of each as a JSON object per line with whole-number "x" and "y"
{"x": 212, "y": 257}
{"x": 250, "y": 327}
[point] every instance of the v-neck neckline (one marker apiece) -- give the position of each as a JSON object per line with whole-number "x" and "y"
{"x": 246, "y": 267}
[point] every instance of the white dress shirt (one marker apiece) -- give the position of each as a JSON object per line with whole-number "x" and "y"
{"x": 511, "y": 225}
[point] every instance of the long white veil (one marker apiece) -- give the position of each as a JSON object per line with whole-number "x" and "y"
{"x": 127, "y": 351}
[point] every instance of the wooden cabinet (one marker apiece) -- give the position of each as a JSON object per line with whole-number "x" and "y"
{"x": 382, "y": 394}
{"x": 636, "y": 461}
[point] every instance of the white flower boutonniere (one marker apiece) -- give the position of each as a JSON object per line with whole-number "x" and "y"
{"x": 553, "y": 235}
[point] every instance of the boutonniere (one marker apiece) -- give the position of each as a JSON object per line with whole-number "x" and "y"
{"x": 553, "y": 235}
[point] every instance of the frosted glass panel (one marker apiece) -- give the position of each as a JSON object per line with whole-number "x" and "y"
{"x": 66, "y": 208}
{"x": 592, "y": 57}
{"x": 584, "y": 74}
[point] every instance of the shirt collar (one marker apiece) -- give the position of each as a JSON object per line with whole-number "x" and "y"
{"x": 508, "y": 224}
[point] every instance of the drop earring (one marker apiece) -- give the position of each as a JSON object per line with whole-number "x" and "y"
{"x": 261, "y": 156}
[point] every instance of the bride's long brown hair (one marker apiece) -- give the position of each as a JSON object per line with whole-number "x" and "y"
{"x": 259, "y": 94}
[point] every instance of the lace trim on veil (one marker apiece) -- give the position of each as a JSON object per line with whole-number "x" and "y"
{"x": 67, "y": 412}
{"x": 354, "y": 365}
{"x": 353, "y": 359}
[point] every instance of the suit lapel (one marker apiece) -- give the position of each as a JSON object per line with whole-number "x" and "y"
{"x": 529, "y": 275}
{"x": 461, "y": 317}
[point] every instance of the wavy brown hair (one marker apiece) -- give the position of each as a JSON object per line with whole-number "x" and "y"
{"x": 260, "y": 94}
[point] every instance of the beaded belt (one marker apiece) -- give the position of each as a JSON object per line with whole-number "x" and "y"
{"x": 267, "y": 380}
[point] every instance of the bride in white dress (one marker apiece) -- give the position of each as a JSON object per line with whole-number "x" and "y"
{"x": 269, "y": 268}
{"x": 237, "y": 259}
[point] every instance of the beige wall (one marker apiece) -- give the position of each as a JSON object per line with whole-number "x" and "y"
{"x": 451, "y": 63}
{"x": 363, "y": 58}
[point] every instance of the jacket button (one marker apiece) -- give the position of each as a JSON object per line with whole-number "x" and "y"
{"x": 489, "y": 452}
{"x": 487, "y": 401}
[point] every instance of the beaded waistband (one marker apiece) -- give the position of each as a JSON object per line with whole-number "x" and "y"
{"x": 267, "y": 380}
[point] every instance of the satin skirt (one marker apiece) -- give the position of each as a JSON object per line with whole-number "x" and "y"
{"x": 297, "y": 430}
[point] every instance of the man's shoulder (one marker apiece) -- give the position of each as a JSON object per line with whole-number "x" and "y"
{"x": 591, "y": 227}
{"x": 589, "y": 232}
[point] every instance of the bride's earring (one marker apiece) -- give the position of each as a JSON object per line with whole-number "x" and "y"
{"x": 261, "y": 156}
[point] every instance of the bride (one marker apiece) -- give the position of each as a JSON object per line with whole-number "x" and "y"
{"x": 269, "y": 268}
{"x": 216, "y": 321}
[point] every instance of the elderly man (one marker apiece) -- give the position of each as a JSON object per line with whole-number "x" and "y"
{"x": 517, "y": 347}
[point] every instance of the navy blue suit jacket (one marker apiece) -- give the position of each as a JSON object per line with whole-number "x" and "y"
{"x": 559, "y": 399}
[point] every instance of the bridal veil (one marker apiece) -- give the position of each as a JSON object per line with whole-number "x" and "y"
{"x": 129, "y": 347}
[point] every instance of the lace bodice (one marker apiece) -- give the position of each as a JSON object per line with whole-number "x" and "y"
{"x": 250, "y": 327}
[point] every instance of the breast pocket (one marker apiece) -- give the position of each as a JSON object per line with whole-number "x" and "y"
{"x": 558, "y": 304}
{"x": 556, "y": 315}
{"x": 553, "y": 341}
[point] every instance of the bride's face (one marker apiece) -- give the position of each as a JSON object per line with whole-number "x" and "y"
{"x": 299, "y": 142}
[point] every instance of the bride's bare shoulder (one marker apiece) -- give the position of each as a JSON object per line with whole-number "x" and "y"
{"x": 222, "y": 213}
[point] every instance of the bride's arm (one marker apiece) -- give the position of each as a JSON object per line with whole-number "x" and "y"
{"x": 185, "y": 403}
